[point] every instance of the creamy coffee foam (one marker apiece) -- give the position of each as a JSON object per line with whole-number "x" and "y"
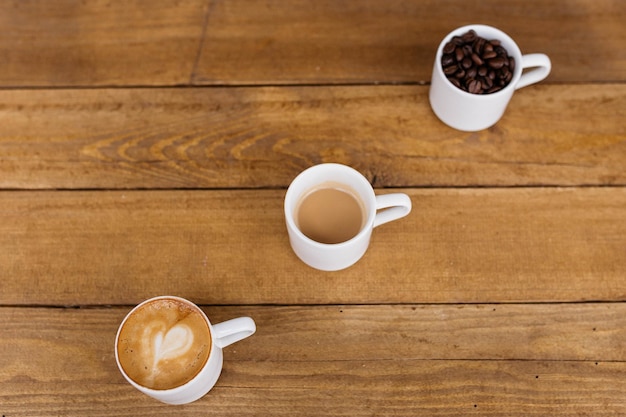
{"x": 164, "y": 344}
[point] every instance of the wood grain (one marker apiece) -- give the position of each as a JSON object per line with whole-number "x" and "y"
{"x": 313, "y": 41}
{"x": 501, "y": 294}
{"x": 97, "y": 42}
{"x": 516, "y": 360}
{"x": 263, "y": 137}
{"x": 231, "y": 247}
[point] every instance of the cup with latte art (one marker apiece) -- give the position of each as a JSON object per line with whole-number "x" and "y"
{"x": 167, "y": 348}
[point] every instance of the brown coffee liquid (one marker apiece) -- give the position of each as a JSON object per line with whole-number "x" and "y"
{"x": 164, "y": 344}
{"x": 330, "y": 215}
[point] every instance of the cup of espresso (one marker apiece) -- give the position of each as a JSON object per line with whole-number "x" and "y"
{"x": 330, "y": 212}
{"x": 167, "y": 348}
{"x": 476, "y": 71}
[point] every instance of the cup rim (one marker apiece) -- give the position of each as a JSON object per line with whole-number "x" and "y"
{"x": 503, "y": 37}
{"x": 179, "y": 387}
{"x": 291, "y": 201}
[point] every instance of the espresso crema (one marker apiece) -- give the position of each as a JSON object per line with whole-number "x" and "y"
{"x": 164, "y": 343}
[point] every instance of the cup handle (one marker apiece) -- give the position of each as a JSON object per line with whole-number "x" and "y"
{"x": 393, "y": 206}
{"x": 234, "y": 330}
{"x": 541, "y": 68}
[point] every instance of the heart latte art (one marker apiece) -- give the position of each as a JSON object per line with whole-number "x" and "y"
{"x": 164, "y": 343}
{"x": 167, "y": 344}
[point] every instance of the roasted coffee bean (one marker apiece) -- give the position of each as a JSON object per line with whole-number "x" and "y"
{"x": 477, "y": 59}
{"x": 496, "y": 63}
{"x": 450, "y": 69}
{"x": 479, "y": 45}
{"x": 459, "y": 53}
{"x": 500, "y": 50}
{"x": 447, "y": 60}
{"x": 477, "y": 65}
{"x": 474, "y": 87}
{"x": 469, "y": 36}
{"x": 456, "y": 82}
{"x": 449, "y": 48}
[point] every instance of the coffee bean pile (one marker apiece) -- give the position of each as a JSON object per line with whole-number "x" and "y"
{"x": 477, "y": 65}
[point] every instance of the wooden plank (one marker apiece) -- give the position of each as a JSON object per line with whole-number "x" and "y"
{"x": 458, "y": 245}
{"x": 352, "y": 388}
{"x": 64, "y": 43}
{"x": 518, "y": 360}
{"x": 96, "y": 42}
{"x": 262, "y": 137}
{"x": 394, "y": 41}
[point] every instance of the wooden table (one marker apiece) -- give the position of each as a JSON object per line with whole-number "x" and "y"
{"x": 145, "y": 149}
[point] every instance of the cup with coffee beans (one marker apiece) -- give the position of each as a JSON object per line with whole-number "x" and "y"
{"x": 477, "y": 68}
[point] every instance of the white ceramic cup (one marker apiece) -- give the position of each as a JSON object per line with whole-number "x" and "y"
{"x": 472, "y": 112}
{"x": 222, "y": 335}
{"x": 333, "y": 257}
